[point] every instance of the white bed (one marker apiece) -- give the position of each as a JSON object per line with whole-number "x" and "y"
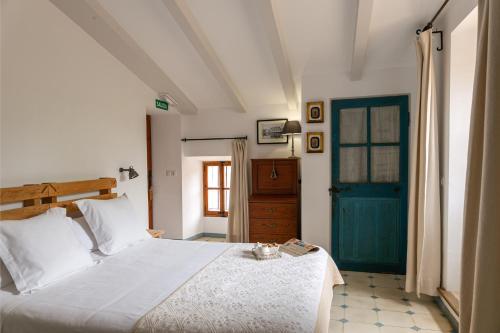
{"x": 144, "y": 285}
{"x": 114, "y": 295}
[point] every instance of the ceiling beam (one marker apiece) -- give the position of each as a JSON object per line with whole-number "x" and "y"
{"x": 266, "y": 11}
{"x": 361, "y": 33}
{"x": 185, "y": 19}
{"x": 101, "y": 26}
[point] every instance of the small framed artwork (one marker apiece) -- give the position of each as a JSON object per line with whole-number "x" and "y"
{"x": 314, "y": 142}
{"x": 269, "y": 131}
{"x": 315, "y": 113}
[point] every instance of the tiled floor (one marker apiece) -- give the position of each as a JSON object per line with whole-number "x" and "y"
{"x": 371, "y": 302}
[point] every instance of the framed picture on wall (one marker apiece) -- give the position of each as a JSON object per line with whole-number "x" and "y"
{"x": 315, "y": 112}
{"x": 314, "y": 142}
{"x": 269, "y": 131}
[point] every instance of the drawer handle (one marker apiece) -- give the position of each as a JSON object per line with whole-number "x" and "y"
{"x": 271, "y": 225}
{"x": 270, "y": 210}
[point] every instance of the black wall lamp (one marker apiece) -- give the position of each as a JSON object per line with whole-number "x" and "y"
{"x": 131, "y": 172}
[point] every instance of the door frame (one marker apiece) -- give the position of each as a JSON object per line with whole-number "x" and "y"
{"x": 337, "y": 104}
{"x": 149, "y": 154}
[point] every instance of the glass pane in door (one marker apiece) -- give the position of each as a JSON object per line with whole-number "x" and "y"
{"x": 385, "y": 164}
{"x": 353, "y": 125}
{"x": 353, "y": 165}
{"x": 385, "y": 124}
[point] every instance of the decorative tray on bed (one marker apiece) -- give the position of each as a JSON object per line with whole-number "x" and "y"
{"x": 266, "y": 251}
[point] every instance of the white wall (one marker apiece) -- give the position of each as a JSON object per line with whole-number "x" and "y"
{"x": 316, "y": 168}
{"x": 455, "y": 68}
{"x": 69, "y": 110}
{"x": 167, "y": 190}
{"x": 192, "y": 196}
{"x": 229, "y": 123}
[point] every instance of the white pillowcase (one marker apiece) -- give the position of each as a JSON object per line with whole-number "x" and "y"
{"x": 113, "y": 223}
{"x": 82, "y": 231}
{"x": 41, "y": 250}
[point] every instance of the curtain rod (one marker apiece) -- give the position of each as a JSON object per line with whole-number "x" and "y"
{"x": 429, "y": 25}
{"x": 211, "y": 139}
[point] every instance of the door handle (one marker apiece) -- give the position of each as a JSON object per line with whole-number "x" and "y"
{"x": 335, "y": 189}
{"x": 397, "y": 189}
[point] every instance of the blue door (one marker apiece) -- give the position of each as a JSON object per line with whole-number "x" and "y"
{"x": 369, "y": 183}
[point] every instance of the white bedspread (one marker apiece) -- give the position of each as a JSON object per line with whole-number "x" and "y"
{"x": 111, "y": 296}
{"x": 239, "y": 294}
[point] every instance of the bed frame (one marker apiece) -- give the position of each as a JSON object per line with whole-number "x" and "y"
{"x": 38, "y": 198}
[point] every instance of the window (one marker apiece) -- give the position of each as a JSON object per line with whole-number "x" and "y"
{"x": 216, "y": 184}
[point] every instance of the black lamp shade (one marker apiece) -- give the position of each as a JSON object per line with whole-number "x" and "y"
{"x": 292, "y": 127}
{"x": 131, "y": 172}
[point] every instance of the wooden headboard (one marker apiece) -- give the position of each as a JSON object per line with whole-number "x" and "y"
{"x": 37, "y": 198}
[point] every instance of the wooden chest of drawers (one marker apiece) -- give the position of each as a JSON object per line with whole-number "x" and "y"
{"x": 274, "y": 203}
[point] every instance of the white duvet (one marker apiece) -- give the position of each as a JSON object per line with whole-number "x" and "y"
{"x": 161, "y": 282}
{"x": 111, "y": 296}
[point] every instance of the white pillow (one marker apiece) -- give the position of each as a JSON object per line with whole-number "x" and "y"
{"x": 82, "y": 231}
{"x": 41, "y": 250}
{"x": 113, "y": 223}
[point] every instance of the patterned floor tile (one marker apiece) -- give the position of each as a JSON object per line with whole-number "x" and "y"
{"x": 337, "y": 313}
{"x": 338, "y": 300}
{"x": 365, "y": 316}
{"x": 391, "y": 329}
{"x": 360, "y": 328}
{"x": 388, "y": 293}
{"x": 363, "y": 302}
{"x": 432, "y": 322}
{"x": 392, "y": 318}
{"x": 392, "y": 304}
{"x": 359, "y": 291}
{"x": 335, "y": 327}
{"x": 426, "y": 307}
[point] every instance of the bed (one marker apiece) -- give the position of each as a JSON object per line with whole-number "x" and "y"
{"x": 161, "y": 285}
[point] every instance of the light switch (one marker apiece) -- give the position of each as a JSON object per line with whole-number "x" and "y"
{"x": 170, "y": 173}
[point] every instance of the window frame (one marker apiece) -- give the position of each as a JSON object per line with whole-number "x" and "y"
{"x": 222, "y": 190}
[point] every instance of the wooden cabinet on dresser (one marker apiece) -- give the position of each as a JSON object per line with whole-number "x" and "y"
{"x": 275, "y": 201}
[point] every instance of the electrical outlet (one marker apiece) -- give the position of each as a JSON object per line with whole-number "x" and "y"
{"x": 170, "y": 173}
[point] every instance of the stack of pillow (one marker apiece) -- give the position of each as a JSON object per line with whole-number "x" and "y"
{"x": 46, "y": 248}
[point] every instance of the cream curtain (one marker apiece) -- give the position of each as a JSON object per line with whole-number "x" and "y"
{"x": 480, "y": 289}
{"x": 423, "y": 269}
{"x": 238, "y": 225}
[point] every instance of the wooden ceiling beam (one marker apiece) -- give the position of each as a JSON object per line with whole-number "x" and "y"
{"x": 364, "y": 10}
{"x": 266, "y": 11}
{"x": 185, "y": 19}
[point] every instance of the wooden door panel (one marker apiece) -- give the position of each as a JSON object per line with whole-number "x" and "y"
{"x": 369, "y": 230}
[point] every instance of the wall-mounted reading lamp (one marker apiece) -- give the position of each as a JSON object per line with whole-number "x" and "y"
{"x": 131, "y": 172}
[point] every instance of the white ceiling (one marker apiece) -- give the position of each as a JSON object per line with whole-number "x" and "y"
{"x": 317, "y": 36}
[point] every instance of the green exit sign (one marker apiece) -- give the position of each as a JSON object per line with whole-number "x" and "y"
{"x": 161, "y": 104}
